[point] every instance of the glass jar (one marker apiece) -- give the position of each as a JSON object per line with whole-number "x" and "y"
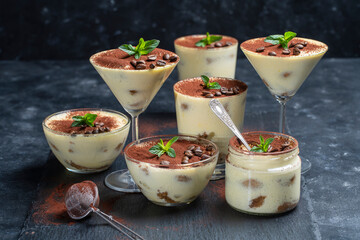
{"x": 263, "y": 183}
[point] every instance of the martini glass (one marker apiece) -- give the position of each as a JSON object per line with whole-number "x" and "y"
{"x": 134, "y": 89}
{"x": 283, "y": 75}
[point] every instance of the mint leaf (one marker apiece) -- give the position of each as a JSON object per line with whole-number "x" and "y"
{"x": 88, "y": 119}
{"x": 263, "y": 146}
{"x": 143, "y": 47}
{"x": 209, "y": 39}
{"x": 159, "y": 149}
{"x": 283, "y": 40}
{"x": 208, "y": 84}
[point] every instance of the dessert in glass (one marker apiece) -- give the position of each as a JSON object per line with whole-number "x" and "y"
{"x": 171, "y": 180}
{"x": 84, "y": 148}
{"x": 134, "y": 75}
{"x": 283, "y": 63}
{"x": 216, "y": 59}
{"x": 263, "y": 183}
{"x": 195, "y": 118}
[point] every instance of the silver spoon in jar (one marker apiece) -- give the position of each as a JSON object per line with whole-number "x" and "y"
{"x": 220, "y": 111}
{"x": 83, "y": 198}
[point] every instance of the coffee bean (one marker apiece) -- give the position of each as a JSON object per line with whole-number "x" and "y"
{"x": 218, "y": 94}
{"x": 192, "y": 147}
{"x": 270, "y": 148}
{"x": 73, "y": 133}
{"x": 107, "y": 129}
{"x": 299, "y": 46}
{"x": 228, "y": 44}
{"x": 304, "y": 44}
{"x": 152, "y": 66}
{"x": 164, "y": 162}
{"x": 95, "y": 131}
{"x": 236, "y": 91}
{"x": 133, "y": 63}
{"x": 272, "y": 53}
{"x": 210, "y": 95}
{"x": 209, "y": 148}
{"x": 204, "y": 156}
{"x": 198, "y": 152}
{"x": 286, "y": 51}
{"x": 291, "y": 45}
{"x": 151, "y": 58}
{"x": 223, "y": 90}
{"x": 198, "y": 148}
{"x": 173, "y": 58}
{"x": 206, "y": 92}
{"x": 229, "y": 93}
{"x": 101, "y": 129}
{"x": 88, "y": 132}
{"x": 160, "y": 63}
{"x": 296, "y": 51}
{"x": 166, "y": 56}
{"x": 218, "y": 44}
{"x": 185, "y": 160}
{"x": 188, "y": 153}
{"x": 260, "y": 49}
{"x": 140, "y": 62}
{"x": 286, "y": 144}
{"x": 140, "y": 66}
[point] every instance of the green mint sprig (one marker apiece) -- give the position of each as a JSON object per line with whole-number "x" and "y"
{"x": 159, "y": 149}
{"x": 143, "y": 48}
{"x": 87, "y": 119}
{"x": 208, "y": 84}
{"x": 283, "y": 40}
{"x": 263, "y": 146}
{"x": 208, "y": 40}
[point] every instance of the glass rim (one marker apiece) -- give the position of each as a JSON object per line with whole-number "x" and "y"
{"x": 86, "y": 109}
{"x": 308, "y": 39}
{"x": 169, "y": 136}
{"x": 246, "y": 152}
{"x": 173, "y": 64}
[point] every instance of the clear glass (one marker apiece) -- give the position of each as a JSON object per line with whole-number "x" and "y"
{"x": 134, "y": 89}
{"x": 263, "y": 183}
{"x": 195, "y": 118}
{"x": 283, "y": 76}
{"x": 174, "y": 186}
{"x": 87, "y": 153}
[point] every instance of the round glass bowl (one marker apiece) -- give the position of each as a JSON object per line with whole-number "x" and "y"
{"x": 263, "y": 183}
{"x": 87, "y": 153}
{"x": 177, "y": 184}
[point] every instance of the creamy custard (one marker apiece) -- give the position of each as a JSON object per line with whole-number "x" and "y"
{"x": 195, "y": 118}
{"x": 133, "y": 88}
{"x": 174, "y": 184}
{"x": 86, "y": 153}
{"x": 263, "y": 183}
{"x": 284, "y": 74}
{"x": 210, "y": 61}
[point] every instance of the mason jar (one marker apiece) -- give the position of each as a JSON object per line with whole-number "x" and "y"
{"x": 263, "y": 183}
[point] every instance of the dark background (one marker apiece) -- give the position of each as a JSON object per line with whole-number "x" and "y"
{"x": 75, "y": 29}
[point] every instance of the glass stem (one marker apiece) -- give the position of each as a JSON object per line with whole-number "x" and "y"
{"x": 282, "y": 116}
{"x": 135, "y": 127}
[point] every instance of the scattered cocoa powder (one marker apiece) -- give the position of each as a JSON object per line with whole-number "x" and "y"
{"x": 312, "y": 47}
{"x": 189, "y": 41}
{"x": 116, "y": 58}
{"x": 195, "y": 87}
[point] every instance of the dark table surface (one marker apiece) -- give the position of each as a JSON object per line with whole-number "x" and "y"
{"x": 323, "y": 116}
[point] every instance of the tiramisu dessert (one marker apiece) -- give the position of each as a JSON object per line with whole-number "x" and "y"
{"x": 265, "y": 180}
{"x": 171, "y": 171}
{"x": 194, "y": 117}
{"x": 211, "y": 55}
{"x": 86, "y": 140}
{"x": 283, "y": 61}
{"x": 135, "y": 74}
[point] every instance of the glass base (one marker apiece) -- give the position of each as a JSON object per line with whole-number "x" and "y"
{"x": 87, "y": 171}
{"x": 219, "y": 172}
{"x": 305, "y": 166}
{"x": 121, "y": 181}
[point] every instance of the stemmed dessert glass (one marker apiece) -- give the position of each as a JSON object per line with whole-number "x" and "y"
{"x": 134, "y": 89}
{"x": 284, "y": 75}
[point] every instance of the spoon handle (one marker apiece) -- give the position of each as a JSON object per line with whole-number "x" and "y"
{"x": 117, "y": 224}
{"x": 220, "y": 111}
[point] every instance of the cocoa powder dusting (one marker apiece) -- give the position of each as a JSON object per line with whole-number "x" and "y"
{"x": 194, "y": 87}
{"x": 312, "y": 47}
{"x": 189, "y": 41}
